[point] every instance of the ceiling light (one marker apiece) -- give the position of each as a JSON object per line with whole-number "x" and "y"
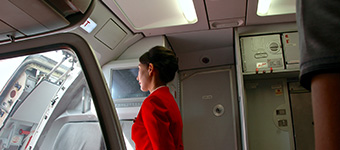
{"x": 188, "y": 9}
{"x": 150, "y": 14}
{"x": 263, "y": 7}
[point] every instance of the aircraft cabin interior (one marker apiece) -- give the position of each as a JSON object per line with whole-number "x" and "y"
{"x": 69, "y": 68}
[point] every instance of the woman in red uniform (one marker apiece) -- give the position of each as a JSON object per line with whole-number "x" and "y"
{"x": 158, "y": 125}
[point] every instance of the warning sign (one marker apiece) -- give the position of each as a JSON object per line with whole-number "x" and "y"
{"x": 16, "y": 139}
{"x": 278, "y": 92}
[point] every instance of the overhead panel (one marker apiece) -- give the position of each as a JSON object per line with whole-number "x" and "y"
{"x": 7, "y": 30}
{"x": 110, "y": 34}
{"x": 39, "y": 16}
{"x": 226, "y": 13}
{"x": 51, "y": 19}
{"x": 14, "y": 16}
{"x": 70, "y": 6}
{"x": 204, "y": 48}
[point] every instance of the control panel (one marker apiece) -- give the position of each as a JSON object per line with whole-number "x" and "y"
{"x": 270, "y": 53}
{"x": 12, "y": 97}
{"x": 262, "y": 53}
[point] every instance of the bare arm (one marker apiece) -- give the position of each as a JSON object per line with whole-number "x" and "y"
{"x": 326, "y": 110}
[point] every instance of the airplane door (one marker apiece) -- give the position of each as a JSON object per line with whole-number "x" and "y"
{"x": 88, "y": 104}
{"x": 209, "y": 109}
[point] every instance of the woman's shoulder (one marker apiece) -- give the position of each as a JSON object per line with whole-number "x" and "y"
{"x": 159, "y": 98}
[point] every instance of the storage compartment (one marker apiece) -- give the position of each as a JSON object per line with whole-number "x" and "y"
{"x": 39, "y": 16}
{"x": 290, "y": 42}
{"x": 227, "y": 15}
{"x": 262, "y": 54}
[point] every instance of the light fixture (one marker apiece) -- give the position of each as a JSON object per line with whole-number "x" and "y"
{"x": 188, "y": 9}
{"x": 263, "y": 7}
{"x": 151, "y": 14}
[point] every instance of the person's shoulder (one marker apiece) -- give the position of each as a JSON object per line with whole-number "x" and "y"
{"x": 152, "y": 99}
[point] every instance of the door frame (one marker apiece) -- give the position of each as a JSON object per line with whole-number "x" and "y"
{"x": 105, "y": 108}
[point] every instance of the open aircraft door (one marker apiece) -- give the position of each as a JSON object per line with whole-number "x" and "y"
{"x": 78, "y": 114}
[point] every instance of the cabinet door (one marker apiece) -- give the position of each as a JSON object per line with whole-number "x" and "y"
{"x": 302, "y": 113}
{"x": 209, "y": 109}
{"x": 268, "y": 115}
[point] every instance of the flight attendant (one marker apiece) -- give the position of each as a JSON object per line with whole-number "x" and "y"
{"x": 158, "y": 125}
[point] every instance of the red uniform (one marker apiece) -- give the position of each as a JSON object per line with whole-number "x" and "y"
{"x": 158, "y": 125}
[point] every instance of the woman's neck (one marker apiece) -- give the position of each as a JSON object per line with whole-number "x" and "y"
{"x": 157, "y": 88}
{"x": 156, "y": 82}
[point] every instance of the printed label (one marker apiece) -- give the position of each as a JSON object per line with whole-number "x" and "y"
{"x": 262, "y": 65}
{"x": 275, "y": 62}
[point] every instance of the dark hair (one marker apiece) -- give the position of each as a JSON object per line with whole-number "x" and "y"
{"x": 164, "y": 60}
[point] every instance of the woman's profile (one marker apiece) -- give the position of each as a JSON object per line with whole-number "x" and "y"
{"x": 158, "y": 125}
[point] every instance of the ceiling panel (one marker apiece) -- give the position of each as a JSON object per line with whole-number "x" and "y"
{"x": 202, "y": 40}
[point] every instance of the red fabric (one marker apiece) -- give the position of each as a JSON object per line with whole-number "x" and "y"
{"x": 158, "y": 125}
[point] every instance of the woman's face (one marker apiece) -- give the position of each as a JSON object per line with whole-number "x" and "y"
{"x": 143, "y": 77}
